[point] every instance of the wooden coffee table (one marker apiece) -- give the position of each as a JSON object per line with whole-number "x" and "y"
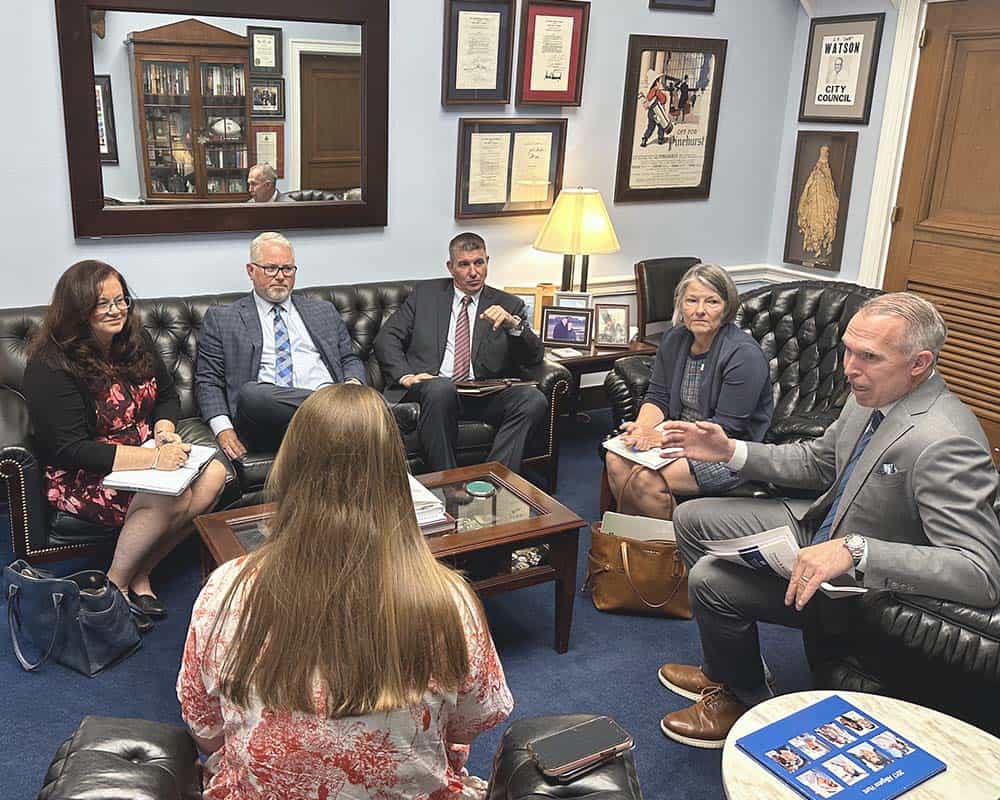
{"x": 517, "y": 515}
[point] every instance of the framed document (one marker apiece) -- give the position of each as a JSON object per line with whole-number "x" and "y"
{"x": 269, "y": 145}
{"x": 821, "y": 189}
{"x": 478, "y": 52}
{"x": 508, "y": 166}
{"x": 670, "y": 113}
{"x": 552, "y": 52}
{"x": 611, "y": 325}
{"x": 567, "y": 326}
{"x": 684, "y": 5}
{"x": 265, "y": 50}
{"x": 107, "y": 137}
{"x": 841, "y": 61}
{"x": 268, "y": 98}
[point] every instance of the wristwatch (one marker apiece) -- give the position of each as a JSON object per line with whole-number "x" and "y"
{"x": 857, "y": 546}
{"x": 518, "y": 327}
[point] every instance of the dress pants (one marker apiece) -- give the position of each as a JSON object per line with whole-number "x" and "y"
{"x": 514, "y": 412}
{"x": 264, "y": 411}
{"x": 728, "y": 600}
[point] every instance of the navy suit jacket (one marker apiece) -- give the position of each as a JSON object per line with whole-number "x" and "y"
{"x": 230, "y": 344}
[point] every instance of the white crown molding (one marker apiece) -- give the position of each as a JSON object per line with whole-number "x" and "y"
{"x": 809, "y": 6}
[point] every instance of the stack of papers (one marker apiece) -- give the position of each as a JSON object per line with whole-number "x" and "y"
{"x": 429, "y": 510}
{"x": 158, "y": 481}
{"x": 653, "y": 458}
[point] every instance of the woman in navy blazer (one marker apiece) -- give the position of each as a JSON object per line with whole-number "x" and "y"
{"x": 706, "y": 368}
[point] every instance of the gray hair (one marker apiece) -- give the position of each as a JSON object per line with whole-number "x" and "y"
{"x": 713, "y": 277}
{"x": 264, "y": 171}
{"x": 465, "y": 243}
{"x": 268, "y": 238}
{"x": 925, "y": 327}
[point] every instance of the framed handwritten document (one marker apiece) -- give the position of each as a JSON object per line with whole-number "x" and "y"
{"x": 478, "y": 52}
{"x": 552, "y": 52}
{"x": 508, "y": 166}
{"x": 670, "y": 113}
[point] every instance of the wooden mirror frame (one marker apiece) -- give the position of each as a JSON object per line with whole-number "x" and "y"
{"x": 76, "y": 60}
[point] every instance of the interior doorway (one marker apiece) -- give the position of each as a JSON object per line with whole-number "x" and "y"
{"x": 330, "y": 144}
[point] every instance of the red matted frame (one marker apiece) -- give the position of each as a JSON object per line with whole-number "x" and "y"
{"x": 279, "y": 129}
{"x": 579, "y": 12}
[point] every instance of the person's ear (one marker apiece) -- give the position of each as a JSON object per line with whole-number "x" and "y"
{"x": 922, "y": 362}
{"x": 250, "y": 271}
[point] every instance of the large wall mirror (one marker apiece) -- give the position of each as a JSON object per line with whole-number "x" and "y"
{"x": 223, "y": 115}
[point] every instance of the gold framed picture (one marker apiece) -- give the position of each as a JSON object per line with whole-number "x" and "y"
{"x": 534, "y": 297}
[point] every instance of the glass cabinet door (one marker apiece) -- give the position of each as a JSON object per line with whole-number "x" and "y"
{"x": 224, "y": 129}
{"x": 166, "y": 87}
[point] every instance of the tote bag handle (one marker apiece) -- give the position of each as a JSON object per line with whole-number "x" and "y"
{"x": 14, "y": 624}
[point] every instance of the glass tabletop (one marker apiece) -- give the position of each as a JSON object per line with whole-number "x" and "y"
{"x": 471, "y": 512}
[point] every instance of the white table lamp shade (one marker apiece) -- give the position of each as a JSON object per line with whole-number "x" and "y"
{"x": 578, "y": 224}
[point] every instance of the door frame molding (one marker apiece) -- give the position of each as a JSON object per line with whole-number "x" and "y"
{"x": 296, "y": 47}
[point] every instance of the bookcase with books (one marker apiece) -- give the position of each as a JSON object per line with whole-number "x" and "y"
{"x": 192, "y": 111}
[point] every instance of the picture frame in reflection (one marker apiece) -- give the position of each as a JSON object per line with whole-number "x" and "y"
{"x": 265, "y": 50}
{"x": 267, "y": 98}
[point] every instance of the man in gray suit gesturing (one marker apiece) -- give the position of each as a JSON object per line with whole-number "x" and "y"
{"x": 908, "y": 506}
{"x": 262, "y": 356}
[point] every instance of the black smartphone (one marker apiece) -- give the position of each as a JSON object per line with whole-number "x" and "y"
{"x": 577, "y": 749}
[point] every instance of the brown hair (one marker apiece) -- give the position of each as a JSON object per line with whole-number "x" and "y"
{"x": 67, "y": 339}
{"x": 345, "y": 592}
{"x": 465, "y": 243}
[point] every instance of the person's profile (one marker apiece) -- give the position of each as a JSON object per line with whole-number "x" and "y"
{"x": 786, "y": 758}
{"x": 870, "y": 757}
{"x": 809, "y": 745}
{"x": 821, "y": 784}
{"x": 857, "y": 723}
{"x": 845, "y": 769}
{"x": 892, "y": 744}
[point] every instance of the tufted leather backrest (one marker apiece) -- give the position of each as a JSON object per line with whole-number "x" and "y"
{"x": 174, "y": 323}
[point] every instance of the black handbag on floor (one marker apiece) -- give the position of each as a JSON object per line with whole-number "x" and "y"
{"x": 82, "y": 620}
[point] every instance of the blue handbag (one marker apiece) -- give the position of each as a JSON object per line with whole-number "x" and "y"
{"x": 82, "y": 620}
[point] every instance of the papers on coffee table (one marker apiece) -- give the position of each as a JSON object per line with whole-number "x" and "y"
{"x": 159, "y": 481}
{"x": 651, "y": 458}
{"x": 431, "y": 516}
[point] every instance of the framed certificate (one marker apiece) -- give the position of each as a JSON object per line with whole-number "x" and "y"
{"x": 265, "y": 50}
{"x": 552, "y": 52}
{"x": 269, "y": 145}
{"x": 508, "y": 166}
{"x": 478, "y": 52}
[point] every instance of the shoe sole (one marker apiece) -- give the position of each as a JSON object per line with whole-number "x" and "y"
{"x": 704, "y": 744}
{"x": 687, "y": 693}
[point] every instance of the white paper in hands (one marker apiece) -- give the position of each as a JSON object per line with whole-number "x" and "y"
{"x": 648, "y": 458}
{"x": 158, "y": 481}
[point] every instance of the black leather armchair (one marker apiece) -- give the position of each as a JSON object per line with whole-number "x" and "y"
{"x": 173, "y": 323}
{"x": 655, "y": 282}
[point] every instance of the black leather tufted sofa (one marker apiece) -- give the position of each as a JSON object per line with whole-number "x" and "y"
{"x": 173, "y": 322}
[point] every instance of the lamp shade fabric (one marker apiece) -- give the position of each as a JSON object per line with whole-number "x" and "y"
{"x": 578, "y": 224}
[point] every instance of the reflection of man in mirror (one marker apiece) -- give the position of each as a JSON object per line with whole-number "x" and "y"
{"x": 261, "y": 181}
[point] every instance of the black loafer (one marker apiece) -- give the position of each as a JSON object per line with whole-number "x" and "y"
{"x": 142, "y": 621}
{"x": 148, "y": 605}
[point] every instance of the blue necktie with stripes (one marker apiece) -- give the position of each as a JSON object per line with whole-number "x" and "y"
{"x": 282, "y": 351}
{"x": 825, "y": 529}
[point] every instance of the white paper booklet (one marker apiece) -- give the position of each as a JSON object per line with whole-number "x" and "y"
{"x": 774, "y": 551}
{"x": 648, "y": 458}
{"x": 429, "y": 509}
{"x": 160, "y": 481}
{"x": 644, "y": 529}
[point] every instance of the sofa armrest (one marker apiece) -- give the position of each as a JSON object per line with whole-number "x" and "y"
{"x": 549, "y": 375}
{"x": 626, "y": 385}
{"x": 29, "y": 512}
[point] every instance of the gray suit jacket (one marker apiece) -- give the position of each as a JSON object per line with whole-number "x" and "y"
{"x": 230, "y": 343}
{"x": 931, "y": 524}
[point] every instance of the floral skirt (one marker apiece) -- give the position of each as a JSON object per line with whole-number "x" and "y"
{"x": 80, "y": 493}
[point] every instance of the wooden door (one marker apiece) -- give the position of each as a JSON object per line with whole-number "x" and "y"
{"x": 946, "y": 243}
{"x": 331, "y": 121}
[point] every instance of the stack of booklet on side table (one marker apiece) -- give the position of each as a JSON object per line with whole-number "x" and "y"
{"x": 159, "y": 481}
{"x": 431, "y": 516}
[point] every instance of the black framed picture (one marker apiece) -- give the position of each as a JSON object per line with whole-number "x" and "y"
{"x": 265, "y": 50}
{"x": 478, "y": 52}
{"x": 107, "y": 137}
{"x": 841, "y": 63}
{"x": 684, "y": 5}
{"x": 508, "y": 166}
{"x": 571, "y": 326}
{"x": 267, "y": 98}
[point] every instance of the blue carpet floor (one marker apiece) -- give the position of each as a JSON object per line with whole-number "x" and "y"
{"x": 610, "y": 667}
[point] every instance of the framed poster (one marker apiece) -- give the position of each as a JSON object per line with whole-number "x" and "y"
{"x": 684, "y": 5}
{"x": 269, "y": 145}
{"x": 508, "y": 166}
{"x": 841, "y": 61}
{"x": 821, "y": 189}
{"x": 552, "y": 52}
{"x": 265, "y": 50}
{"x": 107, "y": 137}
{"x": 478, "y": 51}
{"x": 670, "y": 114}
{"x": 267, "y": 98}
{"x": 611, "y": 328}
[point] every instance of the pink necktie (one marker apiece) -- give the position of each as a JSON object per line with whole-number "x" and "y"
{"x": 462, "y": 355}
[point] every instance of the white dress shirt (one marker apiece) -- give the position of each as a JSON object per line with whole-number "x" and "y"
{"x": 448, "y": 362}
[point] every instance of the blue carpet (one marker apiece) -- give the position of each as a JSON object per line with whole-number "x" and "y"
{"x": 610, "y": 667}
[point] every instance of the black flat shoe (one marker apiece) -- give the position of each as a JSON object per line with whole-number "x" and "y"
{"x": 142, "y": 622}
{"x": 148, "y": 605}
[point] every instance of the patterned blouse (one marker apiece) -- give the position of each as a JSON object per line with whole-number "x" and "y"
{"x": 710, "y": 476}
{"x": 405, "y": 754}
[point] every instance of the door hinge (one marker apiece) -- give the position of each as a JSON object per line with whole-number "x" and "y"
{"x": 923, "y": 39}
{"x": 897, "y": 214}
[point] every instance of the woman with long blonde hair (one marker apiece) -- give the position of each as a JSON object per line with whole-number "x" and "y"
{"x": 341, "y": 659}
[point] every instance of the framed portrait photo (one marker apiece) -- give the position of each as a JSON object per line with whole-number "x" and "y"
{"x": 572, "y": 299}
{"x": 670, "y": 113}
{"x": 267, "y": 98}
{"x": 611, "y": 325}
{"x": 841, "y": 62}
{"x": 684, "y": 5}
{"x": 478, "y": 52}
{"x": 269, "y": 145}
{"x": 562, "y": 326}
{"x": 508, "y": 166}
{"x": 552, "y": 52}
{"x": 107, "y": 137}
{"x": 821, "y": 189}
{"x": 265, "y": 50}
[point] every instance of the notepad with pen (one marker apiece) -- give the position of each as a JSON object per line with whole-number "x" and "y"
{"x": 159, "y": 481}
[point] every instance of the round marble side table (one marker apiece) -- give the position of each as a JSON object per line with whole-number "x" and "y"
{"x": 972, "y": 755}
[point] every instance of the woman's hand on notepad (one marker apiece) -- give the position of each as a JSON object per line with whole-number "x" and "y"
{"x": 171, "y": 456}
{"x": 639, "y": 437}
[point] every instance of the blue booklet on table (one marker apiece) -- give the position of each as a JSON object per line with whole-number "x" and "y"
{"x": 833, "y": 749}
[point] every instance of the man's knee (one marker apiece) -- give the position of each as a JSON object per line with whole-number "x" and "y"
{"x": 531, "y": 404}
{"x": 690, "y": 517}
{"x": 439, "y": 391}
{"x": 704, "y": 579}
{"x": 252, "y": 396}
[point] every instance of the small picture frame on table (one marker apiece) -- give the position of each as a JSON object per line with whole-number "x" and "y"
{"x": 269, "y": 145}
{"x": 107, "y": 137}
{"x": 552, "y": 52}
{"x": 478, "y": 52}
{"x": 267, "y": 98}
{"x": 567, "y": 326}
{"x": 534, "y": 298}
{"x": 265, "y": 50}
{"x": 572, "y": 299}
{"x": 611, "y": 326}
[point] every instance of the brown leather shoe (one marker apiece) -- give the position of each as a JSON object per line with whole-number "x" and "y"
{"x": 685, "y": 680}
{"x": 707, "y": 723}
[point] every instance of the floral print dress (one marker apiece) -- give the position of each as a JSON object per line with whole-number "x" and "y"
{"x": 405, "y": 754}
{"x": 124, "y": 413}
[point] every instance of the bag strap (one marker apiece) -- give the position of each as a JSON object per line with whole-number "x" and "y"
{"x": 628, "y": 576}
{"x": 592, "y": 573}
{"x": 625, "y": 502}
{"x": 14, "y": 623}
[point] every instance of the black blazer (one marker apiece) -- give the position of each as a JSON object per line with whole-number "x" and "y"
{"x": 64, "y": 415}
{"x": 413, "y": 339}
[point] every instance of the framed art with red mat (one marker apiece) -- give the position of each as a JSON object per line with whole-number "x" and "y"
{"x": 552, "y": 52}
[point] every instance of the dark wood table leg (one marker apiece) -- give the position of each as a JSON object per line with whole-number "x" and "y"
{"x": 562, "y": 558}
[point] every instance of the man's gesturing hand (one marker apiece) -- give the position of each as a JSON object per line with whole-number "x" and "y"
{"x": 702, "y": 441}
{"x": 498, "y": 315}
{"x": 815, "y": 564}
